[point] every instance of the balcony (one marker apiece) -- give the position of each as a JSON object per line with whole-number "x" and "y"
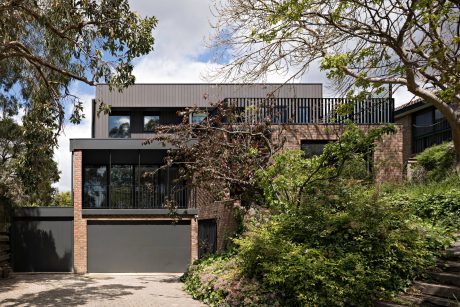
{"x": 160, "y": 196}
{"x": 303, "y": 111}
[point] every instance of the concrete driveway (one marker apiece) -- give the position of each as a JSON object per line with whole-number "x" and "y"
{"x": 94, "y": 290}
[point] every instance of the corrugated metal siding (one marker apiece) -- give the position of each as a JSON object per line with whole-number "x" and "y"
{"x": 186, "y": 95}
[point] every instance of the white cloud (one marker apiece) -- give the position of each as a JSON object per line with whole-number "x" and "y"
{"x": 62, "y": 154}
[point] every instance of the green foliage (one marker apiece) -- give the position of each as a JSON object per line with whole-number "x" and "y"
{"x": 62, "y": 199}
{"x": 327, "y": 239}
{"x": 345, "y": 247}
{"x": 436, "y": 162}
{"x": 437, "y": 202}
{"x": 217, "y": 281}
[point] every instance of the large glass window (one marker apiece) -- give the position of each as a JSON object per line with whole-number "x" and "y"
{"x": 121, "y": 186}
{"x": 119, "y": 126}
{"x": 95, "y": 186}
{"x": 150, "y": 122}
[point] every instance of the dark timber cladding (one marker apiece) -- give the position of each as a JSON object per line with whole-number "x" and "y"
{"x": 42, "y": 240}
{"x": 138, "y": 246}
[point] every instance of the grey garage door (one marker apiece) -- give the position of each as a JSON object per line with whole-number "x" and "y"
{"x": 138, "y": 246}
{"x": 42, "y": 239}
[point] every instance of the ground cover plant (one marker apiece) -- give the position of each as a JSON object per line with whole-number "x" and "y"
{"x": 328, "y": 237}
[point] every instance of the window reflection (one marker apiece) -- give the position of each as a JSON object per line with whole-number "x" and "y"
{"x": 95, "y": 186}
{"x": 119, "y": 126}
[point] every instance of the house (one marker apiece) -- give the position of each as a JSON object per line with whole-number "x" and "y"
{"x": 121, "y": 220}
{"x": 423, "y": 126}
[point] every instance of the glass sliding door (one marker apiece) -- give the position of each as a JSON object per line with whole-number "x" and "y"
{"x": 149, "y": 189}
{"x": 121, "y": 186}
{"x": 95, "y": 187}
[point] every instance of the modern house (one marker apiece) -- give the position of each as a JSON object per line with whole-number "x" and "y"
{"x": 120, "y": 202}
{"x": 423, "y": 126}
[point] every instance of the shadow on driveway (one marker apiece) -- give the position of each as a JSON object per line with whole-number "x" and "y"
{"x": 93, "y": 290}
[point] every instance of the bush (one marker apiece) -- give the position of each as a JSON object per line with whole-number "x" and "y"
{"x": 437, "y": 203}
{"x": 435, "y": 163}
{"x": 343, "y": 245}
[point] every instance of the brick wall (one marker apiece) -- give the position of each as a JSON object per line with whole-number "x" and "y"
{"x": 79, "y": 230}
{"x": 388, "y": 156}
{"x": 222, "y": 211}
{"x": 406, "y": 123}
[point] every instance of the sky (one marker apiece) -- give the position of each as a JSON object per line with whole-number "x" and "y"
{"x": 180, "y": 55}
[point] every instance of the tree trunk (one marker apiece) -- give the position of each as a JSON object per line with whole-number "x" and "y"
{"x": 456, "y": 139}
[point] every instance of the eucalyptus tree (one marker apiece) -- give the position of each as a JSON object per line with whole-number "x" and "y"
{"x": 362, "y": 44}
{"x": 45, "y": 45}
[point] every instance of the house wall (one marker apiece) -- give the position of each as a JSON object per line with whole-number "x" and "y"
{"x": 188, "y": 95}
{"x": 388, "y": 154}
{"x": 223, "y": 212}
{"x": 406, "y": 123}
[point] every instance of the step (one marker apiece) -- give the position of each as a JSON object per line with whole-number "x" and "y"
{"x": 427, "y": 300}
{"x": 452, "y": 253}
{"x": 449, "y": 266}
{"x": 387, "y": 304}
{"x": 445, "y": 291}
{"x": 447, "y": 278}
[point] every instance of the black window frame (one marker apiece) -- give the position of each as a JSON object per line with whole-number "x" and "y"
{"x": 120, "y": 113}
{"x": 150, "y": 113}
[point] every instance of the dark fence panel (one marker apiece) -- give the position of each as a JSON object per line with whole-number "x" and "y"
{"x": 4, "y": 254}
{"x": 42, "y": 240}
{"x": 315, "y": 110}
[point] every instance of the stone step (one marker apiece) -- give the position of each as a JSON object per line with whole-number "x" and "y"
{"x": 387, "y": 304}
{"x": 447, "y": 278}
{"x": 449, "y": 266}
{"x": 452, "y": 253}
{"x": 426, "y": 301}
{"x": 450, "y": 292}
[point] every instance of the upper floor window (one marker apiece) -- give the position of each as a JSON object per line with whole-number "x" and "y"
{"x": 197, "y": 118}
{"x": 150, "y": 122}
{"x": 119, "y": 126}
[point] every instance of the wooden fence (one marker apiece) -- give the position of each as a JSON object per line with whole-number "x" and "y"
{"x": 5, "y": 250}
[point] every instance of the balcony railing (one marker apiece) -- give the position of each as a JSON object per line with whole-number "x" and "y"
{"x": 315, "y": 110}
{"x": 138, "y": 196}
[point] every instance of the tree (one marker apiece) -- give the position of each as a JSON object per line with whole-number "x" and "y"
{"x": 44, "y": 45}
{"x": 62, "y": 199}
{"x": 362, "y": 44}
{"x": 222, "y": 153}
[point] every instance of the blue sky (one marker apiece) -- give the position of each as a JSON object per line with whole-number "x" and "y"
{"x": 180, "y": 56}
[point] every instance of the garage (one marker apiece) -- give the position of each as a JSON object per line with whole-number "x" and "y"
{"x": 138, "y": 246}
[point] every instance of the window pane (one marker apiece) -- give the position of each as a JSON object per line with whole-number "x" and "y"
{"x": 198, "y": 117}
{"x": 119, "y": 126}
{"x": 121, "y": 186}
{"x": 150, "y": 122}
{"x": 423, "y": 123}
{"x": 313, "y": 148}
{"x": 95, "y": 186}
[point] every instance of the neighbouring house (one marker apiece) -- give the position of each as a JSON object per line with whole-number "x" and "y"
{"x": 423, "y": 126}
{"x": 120, "y": 215}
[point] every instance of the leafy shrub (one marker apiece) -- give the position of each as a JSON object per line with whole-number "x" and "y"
{"x": 217, "y": 281}
{"x": 341, "y": 245}
{"x": 437, "y": 203}
{"x": 436, "y": 162}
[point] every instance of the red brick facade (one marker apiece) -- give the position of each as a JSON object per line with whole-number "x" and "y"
{"x": 406, "y": 123}
{"x": 388, "y": 156}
